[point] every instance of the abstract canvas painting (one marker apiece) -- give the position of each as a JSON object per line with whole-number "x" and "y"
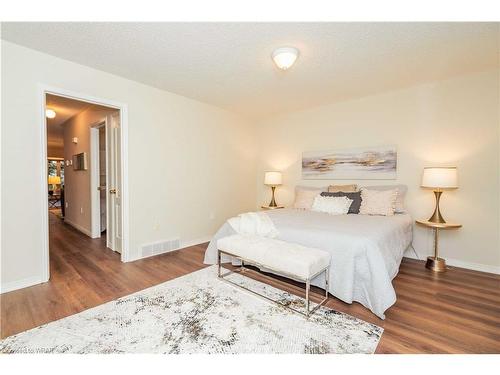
{"x": 370, "y": 163}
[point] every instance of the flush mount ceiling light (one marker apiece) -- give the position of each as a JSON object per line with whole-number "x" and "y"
{"x": 285, "y": 57}
{"x": 50, "y": 113}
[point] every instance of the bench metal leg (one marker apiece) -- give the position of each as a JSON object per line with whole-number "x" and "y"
{"x": 308, "y": 311}
{"x": 308, "y": 287}
{"x": 218, "y": 264}
{"x": 327, "y": 281}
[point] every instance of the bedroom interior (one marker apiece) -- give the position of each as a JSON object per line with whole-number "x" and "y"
{"x": 311, "y": 188}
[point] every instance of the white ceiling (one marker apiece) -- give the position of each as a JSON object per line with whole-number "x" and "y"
{"x": 229, "y": 64}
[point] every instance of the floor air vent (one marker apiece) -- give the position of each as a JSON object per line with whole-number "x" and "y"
{"x": 159, "y": 247}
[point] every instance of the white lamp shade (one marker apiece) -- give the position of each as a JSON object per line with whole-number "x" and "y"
{"x": 272, "y": 178}
{"x": 54, "y": 180}
{"x": 440, "y": 178}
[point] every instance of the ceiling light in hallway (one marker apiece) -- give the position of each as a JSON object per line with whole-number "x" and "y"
{"x": 50, "y": 113}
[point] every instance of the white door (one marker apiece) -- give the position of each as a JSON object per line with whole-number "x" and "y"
{"x": 102, "y": 187}
{"x": 114, "y": 237}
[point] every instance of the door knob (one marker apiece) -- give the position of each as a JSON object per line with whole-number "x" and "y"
{"x": 112, "y": 191}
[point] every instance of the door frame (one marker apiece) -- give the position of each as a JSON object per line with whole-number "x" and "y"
{"x": 43, "y": 90}
{"x": 95, "y": 199}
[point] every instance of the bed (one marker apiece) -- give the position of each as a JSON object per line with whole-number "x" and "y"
{"x": 366, "y": 251}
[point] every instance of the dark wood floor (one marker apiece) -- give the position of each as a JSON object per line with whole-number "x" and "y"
{"x": 454, "y": 312}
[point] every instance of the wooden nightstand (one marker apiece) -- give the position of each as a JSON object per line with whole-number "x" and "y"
{"x": 435, "y": 263}
{"x": 271, "y": 208}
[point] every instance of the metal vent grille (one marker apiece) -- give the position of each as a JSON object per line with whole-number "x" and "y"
{"x": 159, "y": 247}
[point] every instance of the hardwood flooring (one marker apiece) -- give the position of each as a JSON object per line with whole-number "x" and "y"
{"x": 454, "y": 312}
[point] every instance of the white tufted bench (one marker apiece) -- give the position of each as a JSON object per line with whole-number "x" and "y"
{"x": 288, "y": 259}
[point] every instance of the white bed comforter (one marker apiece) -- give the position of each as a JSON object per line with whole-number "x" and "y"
{"x": 366, "y": 251}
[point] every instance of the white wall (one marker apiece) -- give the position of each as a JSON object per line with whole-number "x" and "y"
{"x": 77, "y": 183}
{"x": 498, "y": 145}
{"x": 454, "y": 122}
{"x": 191, "y": 165}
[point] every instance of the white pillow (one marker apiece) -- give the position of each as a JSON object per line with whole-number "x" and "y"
{"x": 332, "y": 205}
{"x": 400, "y": 200}
{"x": 378, "y": 202}
{"x": 304, "y": 197}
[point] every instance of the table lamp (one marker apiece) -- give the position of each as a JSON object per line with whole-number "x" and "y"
{"x": 439, "y": 178}
{"x": 54, "y": 180}
{"x": 273, "y": 179}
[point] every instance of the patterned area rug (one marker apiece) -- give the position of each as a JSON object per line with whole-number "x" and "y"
{"x": 199, "y": 313}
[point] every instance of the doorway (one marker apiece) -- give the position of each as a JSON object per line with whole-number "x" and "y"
{"x": 92, "y": 168}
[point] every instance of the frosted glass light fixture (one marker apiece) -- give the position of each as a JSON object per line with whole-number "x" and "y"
{"x": 50, "y": 113}
{"x": 285, "y": 57}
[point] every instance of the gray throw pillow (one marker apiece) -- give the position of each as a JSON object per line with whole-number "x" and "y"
{"x": 356, "y": 199}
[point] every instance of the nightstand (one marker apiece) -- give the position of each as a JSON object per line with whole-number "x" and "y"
{"x": 435, "y": 263}
{"x": 271, "y": 208}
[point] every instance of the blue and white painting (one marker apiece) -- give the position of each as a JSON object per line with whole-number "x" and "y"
{"x": 370, "y": 163}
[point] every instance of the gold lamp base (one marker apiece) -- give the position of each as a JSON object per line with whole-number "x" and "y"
{"x": 436, "y": 216}
{"x": 273, "y": 201}
{"x": 436, "y": 264}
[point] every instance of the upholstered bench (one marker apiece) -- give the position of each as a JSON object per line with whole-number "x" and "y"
{"x": 291, "y": 260}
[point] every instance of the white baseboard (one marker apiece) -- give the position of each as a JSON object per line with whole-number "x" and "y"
{"x": 461, "y": 264}
{"x": 20, "y": 284}
{"x": 473, "y": 266}
{"x": 183, "y": 245}
{"x": 195, "y": 242}
{"x": 79, "y": 227}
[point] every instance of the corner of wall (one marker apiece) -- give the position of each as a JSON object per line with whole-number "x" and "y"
{"x": 498, "y": 145}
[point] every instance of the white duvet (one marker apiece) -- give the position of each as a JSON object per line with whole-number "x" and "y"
{"x": 366, "y": 251}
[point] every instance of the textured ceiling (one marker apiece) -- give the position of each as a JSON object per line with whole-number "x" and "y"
{"x": 229, "y": 64}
